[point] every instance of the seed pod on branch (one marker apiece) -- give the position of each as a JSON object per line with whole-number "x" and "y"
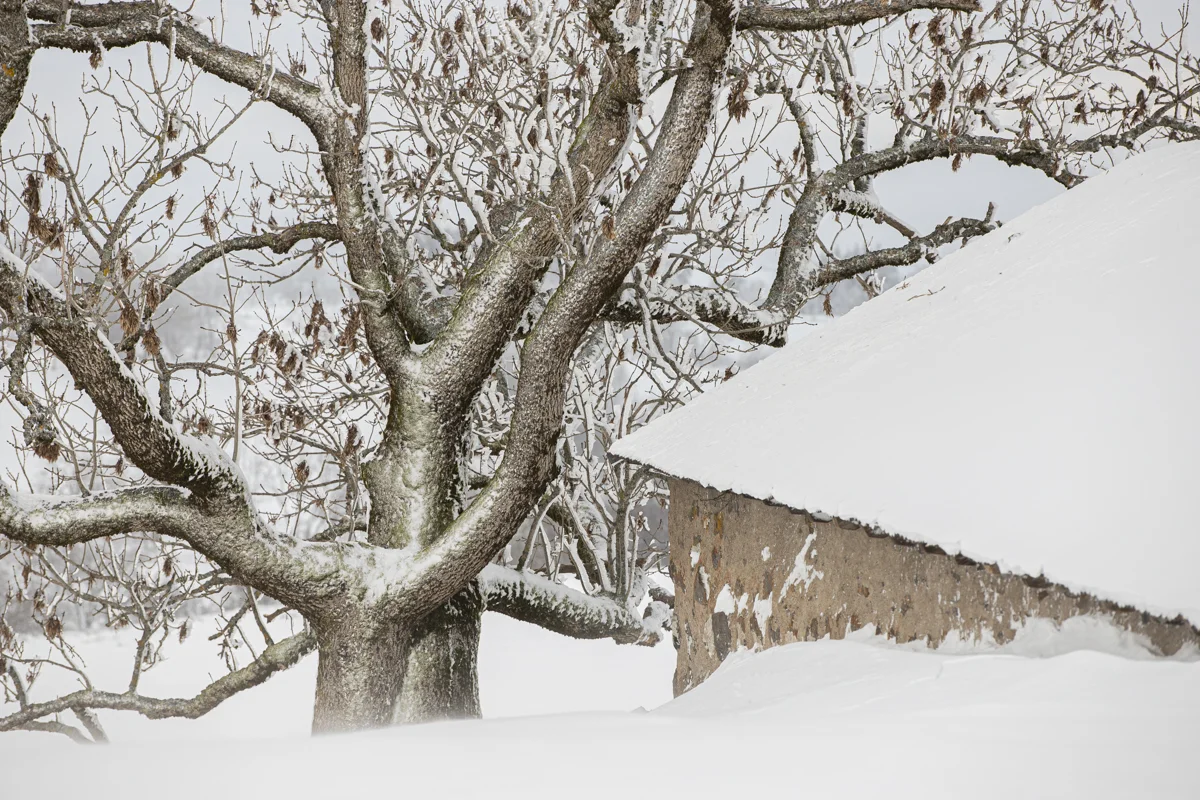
{"x": 51, "y": 167}
{"x": 937, "y": 95}
{"x": 150, "y": 341}
{"x": 737, "y": 104}
{"x": 40, "y": 436}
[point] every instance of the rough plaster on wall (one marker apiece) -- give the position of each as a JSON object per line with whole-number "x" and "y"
{"x": 852, "y": 577}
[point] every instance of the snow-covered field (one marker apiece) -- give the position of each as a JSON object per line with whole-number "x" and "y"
{"x": 855, "y": 718}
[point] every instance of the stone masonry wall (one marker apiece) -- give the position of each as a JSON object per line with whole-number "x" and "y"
{"x": 749, "y": 574}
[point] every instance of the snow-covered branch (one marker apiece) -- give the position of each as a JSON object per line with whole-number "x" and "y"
{"x": 707, "y": 306}
{"x": 211, "y": 509}
{"x": 867, "y": 206}
{"x": 720, "y": 310}
{"x": 537, "y": 600}
{"x": 149, "y": 440}
{"x": 760, "y": 16}
{"x": 800, "y": 272}
{"x": 60, "y": 521}
{"x": 275, "y": 658}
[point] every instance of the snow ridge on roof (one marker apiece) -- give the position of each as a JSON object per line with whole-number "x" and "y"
{"x": 1032, "y": 400}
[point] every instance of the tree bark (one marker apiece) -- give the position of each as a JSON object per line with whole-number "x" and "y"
{"x": 373, "y": 672}
{"x": 15, "y": 53}
{"x": 359, "y": 673}
{"x": 441, "y": 676}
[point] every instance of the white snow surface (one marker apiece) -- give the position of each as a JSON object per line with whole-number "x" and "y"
{"x": 1030, "y": 400}
{"x": 859, "y": 718}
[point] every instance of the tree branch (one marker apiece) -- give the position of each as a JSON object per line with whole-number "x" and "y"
{"x": 539, "y": 601}
{"x": 224, "y": 526}
{"x": 149, "y": 441}
{"x": 715, "y": 307}
{"x": 299, "y": 574}
{"x": 359, "y": 215}
{"x": 121, "y": 24}
{"x": 275, "y": 658}
{"x": 71, "y": 732}
{"x": 910, "y": 253}
{"x": 866, "y": 205}
{"x": 64, "y": 521}
{"x": 777, "y": 18}
{"x": 722, "y": 310}
{"x": 799, "y": 272}
{"x": 15, "y": 54}
{"x": 506, "y": 271}
{"x": 279, "y": 242}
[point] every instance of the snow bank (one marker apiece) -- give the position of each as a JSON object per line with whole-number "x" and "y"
{"x": 1030, "y": 400}
{"x": 845, "y": 719}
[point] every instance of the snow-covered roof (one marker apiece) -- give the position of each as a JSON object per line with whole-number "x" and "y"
{"x": 1031, "y": 400}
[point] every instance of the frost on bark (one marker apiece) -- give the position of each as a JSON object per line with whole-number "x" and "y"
{"x": 441, "y": 674}
{"x": 14, "y": 63}
{"x": 359, "y": 674}
{"x": 355, "y": 386}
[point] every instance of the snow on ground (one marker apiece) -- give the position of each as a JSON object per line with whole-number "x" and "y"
{"x": 1029, "y": 400}
{"x": 845, "y": 719}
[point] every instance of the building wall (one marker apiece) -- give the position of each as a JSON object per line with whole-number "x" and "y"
{"x": 749, "y": 574}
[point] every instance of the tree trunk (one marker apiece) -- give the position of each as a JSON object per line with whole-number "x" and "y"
{"x": 373, "y": 673}
{"x": 360, "y": 670}
{"x": 441, "y": 678}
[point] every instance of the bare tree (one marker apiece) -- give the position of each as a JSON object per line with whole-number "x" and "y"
{"x": 545, "y": 222}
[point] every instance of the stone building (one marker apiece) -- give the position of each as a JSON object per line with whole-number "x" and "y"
{"x": 1009, "y": 435}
